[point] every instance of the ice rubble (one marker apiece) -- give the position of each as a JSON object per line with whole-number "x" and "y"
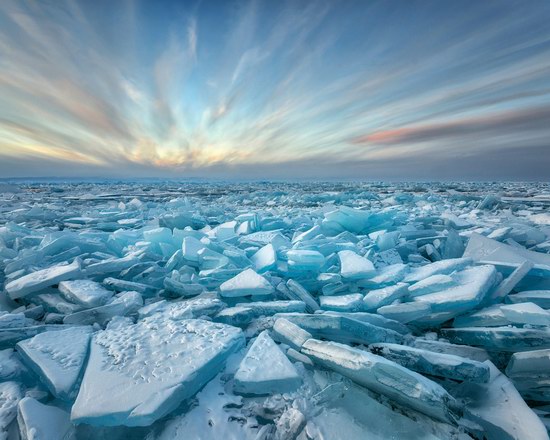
{"x": 274, "y": 311}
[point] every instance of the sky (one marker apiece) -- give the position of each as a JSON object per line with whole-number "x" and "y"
{"x": 368, "y": 90}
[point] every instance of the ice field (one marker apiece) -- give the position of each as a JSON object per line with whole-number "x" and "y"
{"x": 195, "y": 310}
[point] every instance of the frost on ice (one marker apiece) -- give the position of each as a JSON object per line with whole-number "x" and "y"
{"x": 274, "y": 311}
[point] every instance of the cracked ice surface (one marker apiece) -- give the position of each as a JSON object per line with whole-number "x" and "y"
{"x": 164, "y": 310}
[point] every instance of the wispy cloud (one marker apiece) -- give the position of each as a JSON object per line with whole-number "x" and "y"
{"x": 233, "y": 87}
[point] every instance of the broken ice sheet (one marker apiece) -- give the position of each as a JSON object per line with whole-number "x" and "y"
{"x": 137, "y": 264}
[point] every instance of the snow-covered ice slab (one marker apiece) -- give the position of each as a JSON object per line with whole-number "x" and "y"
{"x": 43, "y": 422}
{"x": 139, "y": 373}
{"x": 36, "y": 281}
{"x": 385, "y": 377}
{"x": 57, "y": 358}
{"x": 265, "y": 369}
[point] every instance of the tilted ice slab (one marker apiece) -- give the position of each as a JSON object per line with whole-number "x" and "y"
{"x": 10, "y": 337}
{"x": 126, "y": 303}
{"x": 472, "y": 286}
{"x": 36, "y": 281}
{"x": 139, "y": 373}
{"x": 300, "y": 259}
{"x": 539, "y": 297}
{"x": 526, "y": 313}
{"x": 530, "y": 372}
{"x": 482, "y": 248}
{"x": 244, "y": 313}
{"x": 474, "y": 353}
{"x": 265, "y": 258}
{"x": 246, "y": 283}
{"x": 382, "y": 297}
{"x": 86, "y": 292}
{"x": 289, "y": 333}
{"x": 500, "y": 410}
{"x": 500, "y": 338}
{"x": 43, "y": 422}
{"x": 341, "y": 329}
{"x": 434, "y": 364}
{"x": 443, "y": 267}
{"x": 344, "y": 303}
{"x": 382, "y": 376}
{"x": 374, "y": 319}
{"x": 265, "y": 369}
{"x": 353, "y": 266}
{"x": 57, "y": 358}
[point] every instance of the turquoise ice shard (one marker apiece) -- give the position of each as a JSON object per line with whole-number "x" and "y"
{"x": 431, "y": 284}
{"x": 432, "y": 363}
{"x": 352, "y": 302}
{"x": 385, "y": 276}
{"x": 529, "y": 371}
{"x": 403, "y": 386}
{"x": 43, "y": 422}
{"x": 474, "y": 353}
{"x": 112, "y": 265}
{"x": 342, "y": 329}
{"x": 300, "y": 259}
{"x": 406, "y": 312}
{"x": 57, "y": 358}
{"x": 500, "y": 410}
{"x": 85, "y": 292}
{"x": 138, "y": 373}
{"x": 246, "y": 283}
{"x": 265, "y": 258}
{"x": 443, "y": 267}
{"x": 289, "y": 333}
{"x": 539, "y": 297}
{"x": 491, "y": 316}
{"x": 190, "y": 248}
{"x": 508, "y": 284}
{"x": 485, "y": 249}
{"x": 510, "y": 339}
{"x": 36, "y": 281}
{"x": 295, "y": 291}
{"x": 244, "y": 313}
{"x": 526, "y": 313}
{"x": 124, "y": 304}
{"x": 473, "y": 284}
{"x": 374, "y": 319}
{"x": 349, "y": 219}
{"x": 354, "y": 266}
{"x": 384, "y": 296}
{"x": 265, "y": 369}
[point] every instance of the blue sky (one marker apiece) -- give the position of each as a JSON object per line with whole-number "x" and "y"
{"x": 419, "y": 90}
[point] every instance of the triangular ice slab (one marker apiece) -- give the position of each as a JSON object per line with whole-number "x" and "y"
{"x": 57, "y": 358}
{"x": 265, "y": 369}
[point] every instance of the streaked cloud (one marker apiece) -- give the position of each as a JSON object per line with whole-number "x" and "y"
{"x": 263, "y": 89}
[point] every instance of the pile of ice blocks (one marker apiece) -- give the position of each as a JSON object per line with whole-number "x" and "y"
{"x": 274, "y": 311}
